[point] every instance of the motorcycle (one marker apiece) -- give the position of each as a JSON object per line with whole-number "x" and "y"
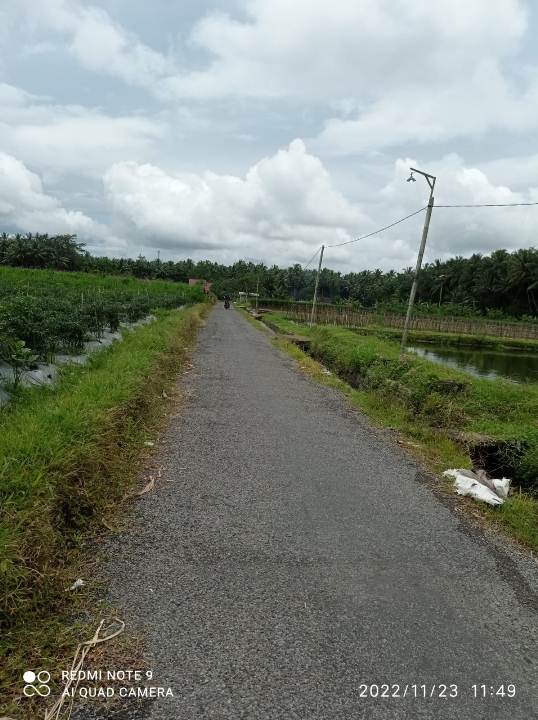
{"x": 227, "y": 304}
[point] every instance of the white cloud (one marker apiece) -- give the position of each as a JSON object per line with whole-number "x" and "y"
{"x": 468, "y": 107}
{"x": 284, "y": 207}
{"x": 71, "y": 138}
{"x": 351, "y": 48}
{"x": 398, "y": 71}
{"x": 25, "y": 205}
{"x": 95, "y": 40}
{"x": 358, "y": 75}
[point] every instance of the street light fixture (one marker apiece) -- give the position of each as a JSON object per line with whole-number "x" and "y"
{"x": 430, "y": 179}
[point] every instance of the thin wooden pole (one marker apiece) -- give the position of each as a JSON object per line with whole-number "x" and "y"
{"x": 417, "y": 271}
{"x": 315, "y": 299}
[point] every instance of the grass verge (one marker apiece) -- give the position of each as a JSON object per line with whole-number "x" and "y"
{"x": 67, "y": 454}
{"x": 434, "y": 409}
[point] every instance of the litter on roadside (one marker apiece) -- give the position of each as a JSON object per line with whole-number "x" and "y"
{"x": 478, "y": 486}
{"x": 77, "y": 584}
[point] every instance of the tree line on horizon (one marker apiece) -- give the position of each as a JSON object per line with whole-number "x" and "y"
{"x": 499, "y": 284}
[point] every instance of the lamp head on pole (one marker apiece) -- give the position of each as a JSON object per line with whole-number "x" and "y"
{"x": 430, "y": 179}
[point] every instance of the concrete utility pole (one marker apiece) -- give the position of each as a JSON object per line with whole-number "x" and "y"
{"x": 431, "y": 182}
{"x": 314, "y": 301}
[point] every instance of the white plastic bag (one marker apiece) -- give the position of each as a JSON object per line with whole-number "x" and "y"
{"x": 502, "y": 487}
{"x": 467, "y": 483}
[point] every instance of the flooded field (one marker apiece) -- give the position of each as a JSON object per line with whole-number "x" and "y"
{"x": 491, "y": 364}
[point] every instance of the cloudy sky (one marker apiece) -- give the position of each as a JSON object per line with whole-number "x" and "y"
{"x": 260, "y": 129}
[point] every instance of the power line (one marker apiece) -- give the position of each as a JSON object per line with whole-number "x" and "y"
{"x": 313, "y": 256}
{"x": 363, "y": 237}
{"x": 397, "y": 222}
{"x": 489, "y": 205}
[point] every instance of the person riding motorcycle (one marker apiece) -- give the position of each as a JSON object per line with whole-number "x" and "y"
{"x": 226, "y": 301}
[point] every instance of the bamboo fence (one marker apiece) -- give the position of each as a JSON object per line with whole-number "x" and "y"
{"x": 334, "y": 315}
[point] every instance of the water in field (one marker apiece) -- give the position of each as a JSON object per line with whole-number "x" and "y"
{"x": 491, "y": 364}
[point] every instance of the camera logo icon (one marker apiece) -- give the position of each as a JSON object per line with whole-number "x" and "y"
{"x": 36, "y": 684}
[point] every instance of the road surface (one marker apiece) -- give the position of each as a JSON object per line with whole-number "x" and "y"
{"x": 292, "y": 556}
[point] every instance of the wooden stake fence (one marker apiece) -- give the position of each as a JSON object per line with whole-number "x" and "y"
{"x": 333, "y": 315}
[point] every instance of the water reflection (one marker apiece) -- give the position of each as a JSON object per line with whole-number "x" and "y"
{"x": 519, "y": 366}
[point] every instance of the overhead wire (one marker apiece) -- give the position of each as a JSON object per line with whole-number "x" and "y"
{"x": 313, "y": 256}
{"x": 417, "y": 212}
{"x": 380, "y": 230}
{"x": 520, "y": 204}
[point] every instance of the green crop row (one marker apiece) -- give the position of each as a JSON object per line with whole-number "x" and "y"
{"x": 55, "y": 312}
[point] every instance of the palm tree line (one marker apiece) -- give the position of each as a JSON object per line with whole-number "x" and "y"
{"x": 501, "y": 284}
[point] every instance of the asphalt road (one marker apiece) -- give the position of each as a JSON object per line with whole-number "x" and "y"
{"x": 292, "y": 555}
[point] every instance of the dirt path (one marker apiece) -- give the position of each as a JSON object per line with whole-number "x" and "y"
{"x": 292, "y": 554}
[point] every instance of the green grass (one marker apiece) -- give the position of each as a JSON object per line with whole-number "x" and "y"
{"x": 430, "y": 406}
{"x": 67, "y": 454}
{"x": 519, "y": 516}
